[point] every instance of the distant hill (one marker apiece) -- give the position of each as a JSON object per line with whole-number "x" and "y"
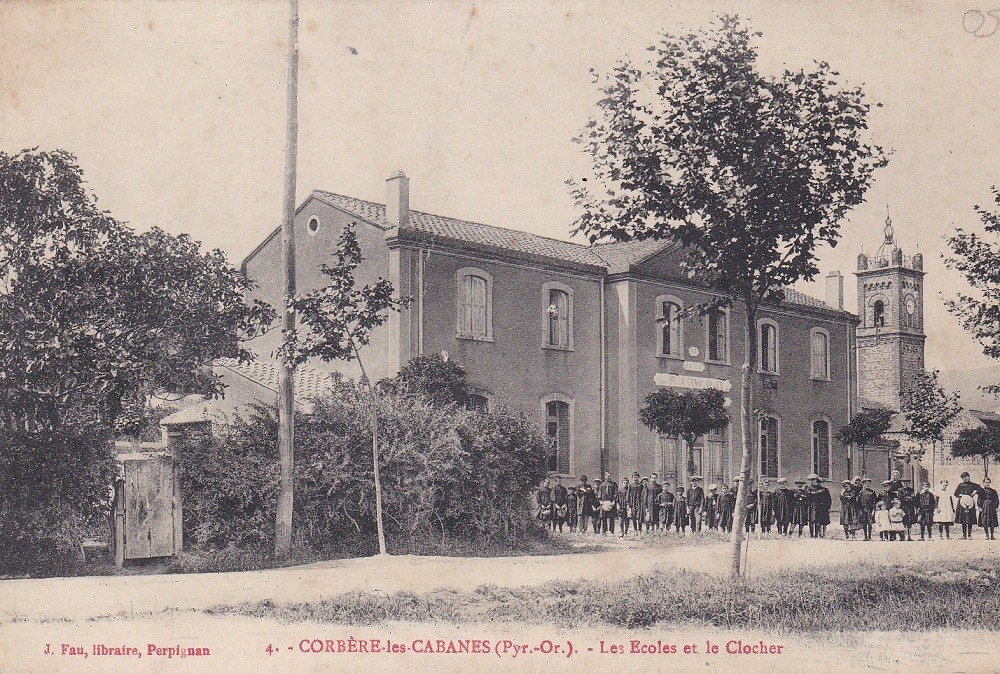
{"x": 967, "y": 382}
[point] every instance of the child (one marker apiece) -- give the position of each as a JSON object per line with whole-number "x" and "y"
{"x": 897, "y": 531}
{"x": 571, "y": 508}
{"x": 944, "y": 514}
{"x": 666, "y": 499}
{"x": 988, "y": 510}
{"x": 680, "y": 510}
{"x": 882, "y": 521}
{"x": 926, "y": 504}
{"x": 624, "y": 514}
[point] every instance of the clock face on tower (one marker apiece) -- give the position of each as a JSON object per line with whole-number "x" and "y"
{"x": 911, "y": 305}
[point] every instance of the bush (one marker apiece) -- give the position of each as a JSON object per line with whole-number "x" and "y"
{"x": 54, "y": 493}
{"x": 448, "y": 476}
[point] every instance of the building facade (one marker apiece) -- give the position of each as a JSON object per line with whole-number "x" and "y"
{"x": 577, "y": 336}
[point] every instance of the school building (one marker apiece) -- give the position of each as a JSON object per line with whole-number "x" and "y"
{"x": 577, "y": 336}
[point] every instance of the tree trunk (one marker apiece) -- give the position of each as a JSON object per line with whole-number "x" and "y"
{"x": 286, "y": 373}
{"x": 690, "y": 459}
{"x": 746, "y": 431}
{"x": 379, "y": 519}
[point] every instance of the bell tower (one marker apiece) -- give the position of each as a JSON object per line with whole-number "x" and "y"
{"x": 890, "y": 336}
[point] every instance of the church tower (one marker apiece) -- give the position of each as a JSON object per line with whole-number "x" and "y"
{"x": 891, "y": 332}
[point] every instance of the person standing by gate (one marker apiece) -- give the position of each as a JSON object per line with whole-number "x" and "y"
{"x": 727, "y": 504}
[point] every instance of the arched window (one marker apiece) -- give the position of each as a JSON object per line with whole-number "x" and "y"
{"x": 557, "y": 318}
{"x": 558, "y": 432}
{"x": 767, "y": 346}
{"x": 878, "y": 314}
{"x": 718, "y": 335}
{"x": 475, "y": 304}
{"x": 821, "y": 447}
{"x": 478, "y": 400}
{"x": 769, "y": 446}
{"x": 670, "y": 335}
{"x": 820, "y": 347}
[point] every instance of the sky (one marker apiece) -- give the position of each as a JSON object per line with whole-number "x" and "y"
{"x": 176, "y": 110}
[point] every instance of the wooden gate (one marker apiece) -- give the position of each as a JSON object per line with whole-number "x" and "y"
{"x": 148, "y": 516}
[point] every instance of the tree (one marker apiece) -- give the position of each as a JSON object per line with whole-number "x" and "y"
{"x": 286, "y": 374}
{"x": 982, "y": 441}
{"x": 928, "y": 409}
{"x": 340, "y": 319}
{"x": 94, "y": 318}
{"x": 687, "y": 414}
{"x": 978, "y": 259}
{"x": 441, "y": 382}
{"x": 749, "y": 172}
{"x": 866, "y": 427}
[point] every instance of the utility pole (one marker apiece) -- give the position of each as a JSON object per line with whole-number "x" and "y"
{"x": 286, "y": 373}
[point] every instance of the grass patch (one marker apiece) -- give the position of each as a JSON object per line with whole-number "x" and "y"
{"x": 859, "y": 597}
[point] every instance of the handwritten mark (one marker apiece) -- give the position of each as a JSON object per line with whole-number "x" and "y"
{"x": 980, "y": 24}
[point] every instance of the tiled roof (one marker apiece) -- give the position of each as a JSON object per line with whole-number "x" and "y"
{"x": 613, "y": 257}
{"x": 309, "y": 383}
{"x": 795, "y": 297}
{"x": 621, "y": 256}
{"x": 471, "y": 232}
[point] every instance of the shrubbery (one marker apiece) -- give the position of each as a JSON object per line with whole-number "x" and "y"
{"x": 449, "y": 476}
{"x": 54, "y": 492}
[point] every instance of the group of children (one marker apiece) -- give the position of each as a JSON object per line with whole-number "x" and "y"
{"x": 970, "y": 505}
{"x": 643, "y": 504}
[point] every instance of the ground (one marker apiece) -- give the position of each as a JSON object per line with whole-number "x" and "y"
{"x": 168, "y": 610}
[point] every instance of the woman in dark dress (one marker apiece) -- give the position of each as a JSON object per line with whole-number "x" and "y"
{"x": 988, "y": 510}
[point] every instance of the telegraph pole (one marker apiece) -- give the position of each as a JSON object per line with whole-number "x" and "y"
{"x": 286, "y": 373}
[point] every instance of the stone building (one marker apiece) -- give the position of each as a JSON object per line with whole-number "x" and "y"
{"x": 577, "y": 336}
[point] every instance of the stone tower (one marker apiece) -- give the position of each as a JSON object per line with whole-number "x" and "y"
{"x": 891, "y": 331}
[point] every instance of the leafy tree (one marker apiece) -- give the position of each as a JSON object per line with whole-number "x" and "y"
{"x": 441, "y": 382}
{"x": 94, "y": 317}
{"x": 750, "y": 172}
{"x": 866, "y": 427}
{"x": 340, "y": 319}
{"x": 977, "y": 257}
{"x": 928, "y": 409}
{"x": 981, "y": 441}
{"x": 685, "y": 414}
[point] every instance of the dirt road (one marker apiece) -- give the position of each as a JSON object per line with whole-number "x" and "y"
{"x": 131, "y": 596}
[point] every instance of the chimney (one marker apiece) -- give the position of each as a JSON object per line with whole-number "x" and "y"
{"x": 397, "y": 200}
{"x": 835, "y": 290}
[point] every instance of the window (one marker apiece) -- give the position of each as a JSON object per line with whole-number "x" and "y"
{"x": 313, "y": 225}
{"x": 715, "y": 444}
{"x": 878, "y": 314}
{"x": 718, "y": 336}
{"x": 557, "y": 431}
{"x": 477, "y": 402}
{"x": 669, "y": 322}
{"x": 767, "y": 346}
{"x": 768, "y": 445}
{"x": 475, "y": 304}
{"x": 821, "y": 448}
{"x": 820, "y": 354}
{"x": 557, "y": 316}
